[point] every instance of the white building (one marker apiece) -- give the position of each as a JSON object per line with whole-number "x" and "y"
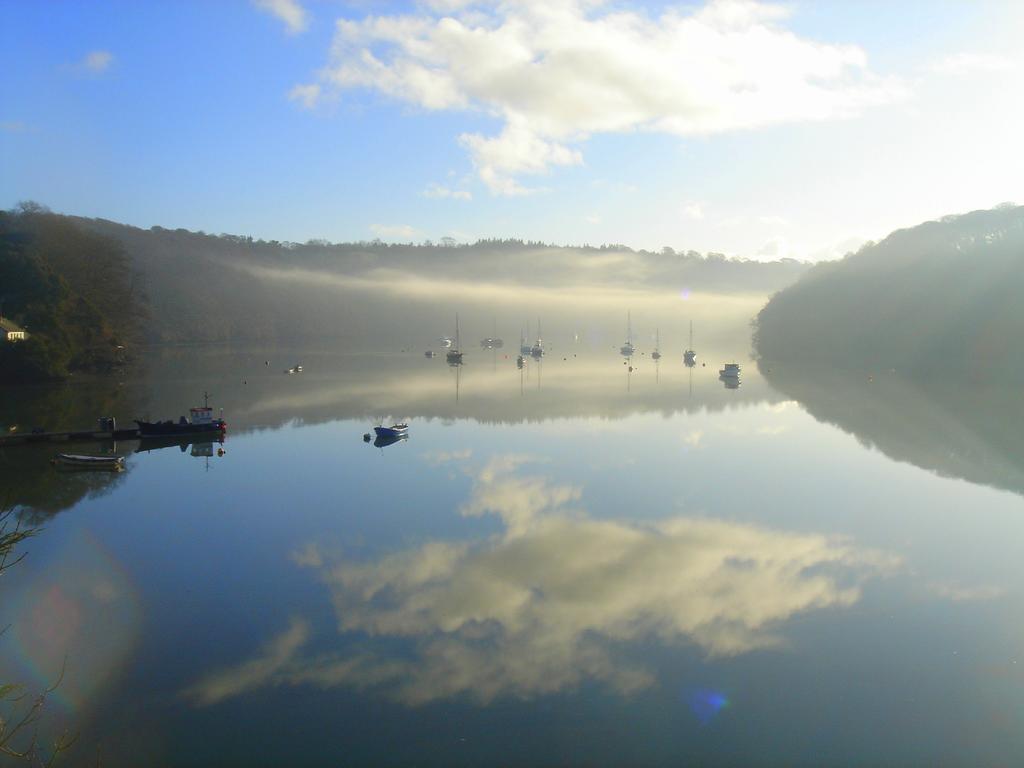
{"x": 10, "y": 331}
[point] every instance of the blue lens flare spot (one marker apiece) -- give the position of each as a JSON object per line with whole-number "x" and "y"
{"x": 706, "y": 703}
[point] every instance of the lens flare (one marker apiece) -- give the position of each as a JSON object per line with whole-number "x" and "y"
{"x": 706, "y": 703}
{"x": 76, "y": 622}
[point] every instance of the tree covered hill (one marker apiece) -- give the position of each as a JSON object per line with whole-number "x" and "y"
{"x": 73, "y": 289}
{"x": 942, "y": 294}
{"x": 89, "y": 289}
{"x": 204, "y": 287}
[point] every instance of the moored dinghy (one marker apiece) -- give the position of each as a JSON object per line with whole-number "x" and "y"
{"x": 78, "y": 461}
{"x": 395, "y": 431}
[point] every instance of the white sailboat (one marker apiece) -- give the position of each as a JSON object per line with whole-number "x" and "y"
{"x": 656, "y": 354}
{"x": 628, "y": 349}
{"x": 689, "y": 356}
{"x": 537, "y": 350}
{"x": 492, "y": 342}
{"x": 454, "y": 354}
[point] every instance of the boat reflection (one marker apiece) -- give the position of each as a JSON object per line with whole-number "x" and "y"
{"x": 201, "y": 448}
{"x": 383, "y": 441}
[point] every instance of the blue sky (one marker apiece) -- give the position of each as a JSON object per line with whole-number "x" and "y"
{"x": 755, "y": 129}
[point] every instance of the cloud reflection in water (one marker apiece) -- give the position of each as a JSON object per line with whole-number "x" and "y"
{"x": 555, "y": 599}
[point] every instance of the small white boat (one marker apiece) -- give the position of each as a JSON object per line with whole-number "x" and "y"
{"x": 628, "y": 349}
{"x": 537, "y": 350}
{"x": 395, "y": 430}
{"x": 109, "y": 463}
{"x": 429, "y": 353}
{"x": 492, "y": 341}
{"x": 454, "y": 354}
{"x": 730, "y": 371}
{"x": 690, "y": 356}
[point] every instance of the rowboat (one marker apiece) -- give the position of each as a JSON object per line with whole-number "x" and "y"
{"x": 108, "y": 463}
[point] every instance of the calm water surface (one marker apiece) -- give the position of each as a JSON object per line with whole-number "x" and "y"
{"x": 568, "y": 564}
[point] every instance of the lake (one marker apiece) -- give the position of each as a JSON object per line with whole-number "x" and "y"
{"x": 565, "y": 564}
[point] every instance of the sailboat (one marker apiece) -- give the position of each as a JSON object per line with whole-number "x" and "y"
{"x": 689, "y": 356}
{"x": 627, "y": 349}
{"x": 537, "y": 350}
{"x": 454, "y": 354}
{"x": 524, "y": 348}
{"x": 493, "y": 342}
{"x": 656, "y": 354}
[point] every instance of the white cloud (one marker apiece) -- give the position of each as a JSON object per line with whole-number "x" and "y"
{"x": 394, "y": 231}
{"x": 97, "y": 62}
{"x": 963, "y": 64}
{"x": 693, "y": 211}
{"x": 307, "y": 95}
{"x": 557, "y": 71}
{"x": 517, "y": 150}
{"x": 440, "y": 192}
{"x": 775, "y": 247}
{"x": 290, "y": 12}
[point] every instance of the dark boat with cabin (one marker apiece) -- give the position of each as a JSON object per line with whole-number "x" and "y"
{"x": 199, "y": 421}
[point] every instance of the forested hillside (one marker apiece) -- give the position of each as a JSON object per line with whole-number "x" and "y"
{"x": 89, "y": 291}
{"x": 72, "y": 289}
{"x": 204, "y": 287}
{"x": 943, "y": 294}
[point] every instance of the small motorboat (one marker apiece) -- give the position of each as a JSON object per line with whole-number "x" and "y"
{"x": 628, "y": 349}
{"x": 429, "y": 353}
{"x": 730, "y": 371}
{"x": 77, "y": 461}
{"x": 395, "y": 430}
{"x": 199, "y": 420}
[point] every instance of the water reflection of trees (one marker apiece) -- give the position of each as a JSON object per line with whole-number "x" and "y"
{"x": 35, "y": 487}
{"x": 962, "y": 423}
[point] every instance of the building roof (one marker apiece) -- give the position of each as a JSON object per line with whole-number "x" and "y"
{"x": 6, "y": 325}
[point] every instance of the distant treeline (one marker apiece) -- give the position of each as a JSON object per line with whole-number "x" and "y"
{"x": 204, "y": 287}
{"x": 72, "y": 289}
{"x": 945, "y": 294}
{"x": 89, "y": 291}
